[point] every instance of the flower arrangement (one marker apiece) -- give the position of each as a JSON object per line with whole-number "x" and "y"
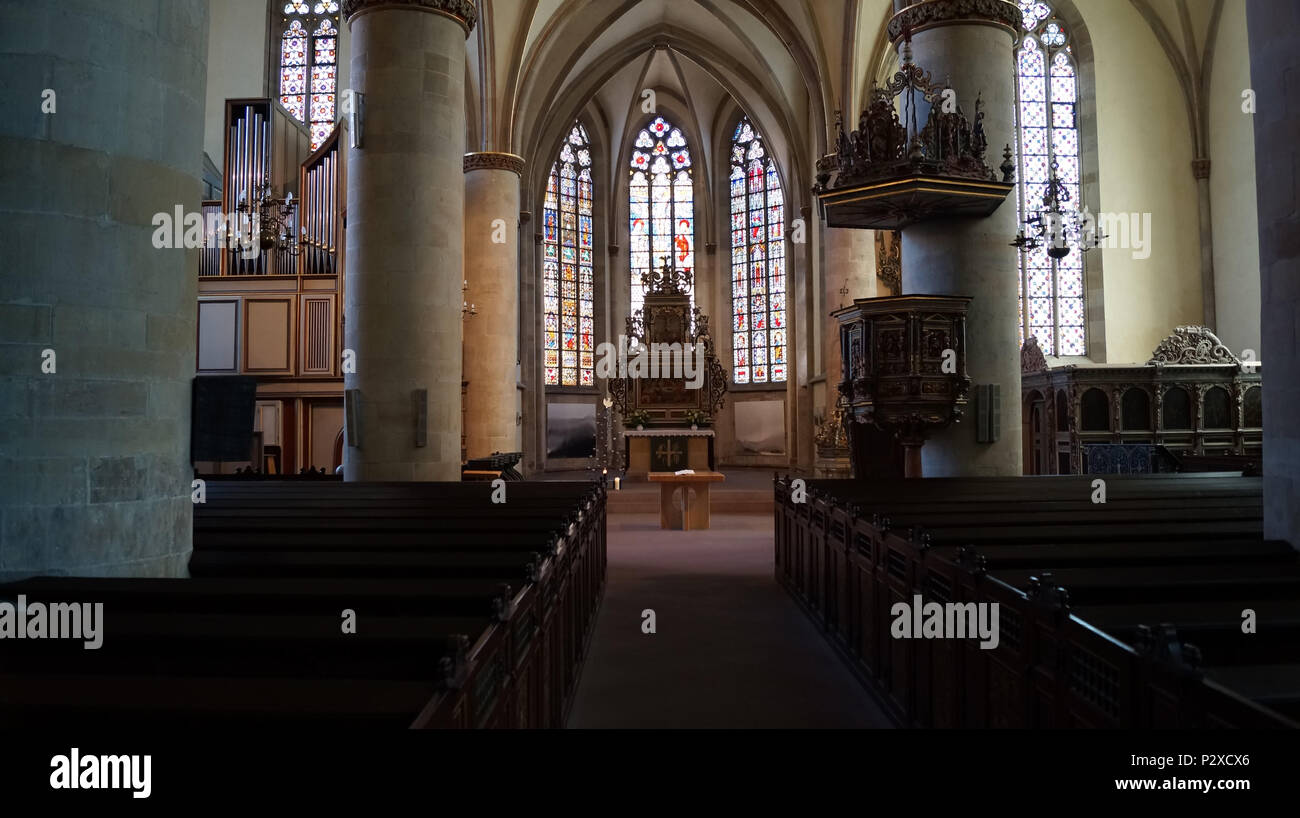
{"x": 636, "y": 418}
{"x": 698, "y": 417}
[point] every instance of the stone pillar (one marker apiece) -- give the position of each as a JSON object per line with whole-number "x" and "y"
{"x": 492, "y": 408}
{"x": 97, "y": 323}
{"x": 851, "y": 265}
{"x": 528, "y": 327}
{"x": 536, "y": 395}
{"x": 1274, "y": 63}
{"x": 971, "y": 256}
{"x": 405, "y": 234}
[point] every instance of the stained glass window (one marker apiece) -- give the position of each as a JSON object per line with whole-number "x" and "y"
{"x": 1051, "y": 290}
{"x": 309, "y": 62}
{"x": 568, "y": 281}
{"x": 758, "y": 281}
{"x": 661, "y": 205}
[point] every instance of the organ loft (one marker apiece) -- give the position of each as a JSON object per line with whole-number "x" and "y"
{"x": 316, "y": 306}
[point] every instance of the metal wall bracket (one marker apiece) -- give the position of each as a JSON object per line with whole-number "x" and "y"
{"x": 988, "y": 412}
{"x": 352, "y": 417}
{"x": 354, "y": 108}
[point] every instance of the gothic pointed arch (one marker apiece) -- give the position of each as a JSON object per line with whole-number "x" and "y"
{"x": 568, "y": 265}
{"x": 661, "y": 204}
{"x": 1060, "y": 299}
{"x": 758, "y": 263}
{"x": 306, "y": 59}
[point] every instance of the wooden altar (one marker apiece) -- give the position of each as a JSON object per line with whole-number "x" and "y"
{"x": 650, "y": 450}
{"x": 669, "y": 380}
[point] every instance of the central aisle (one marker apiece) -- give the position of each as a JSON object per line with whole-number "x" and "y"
{"x": 731, "y": 649}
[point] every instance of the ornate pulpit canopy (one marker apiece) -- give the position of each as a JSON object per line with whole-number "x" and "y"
{"x": 892, "y": 172}
{"x": 672, "y": 376}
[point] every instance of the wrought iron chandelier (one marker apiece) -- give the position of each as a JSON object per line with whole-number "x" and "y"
{"x": 270, "y": 219}
{"x": 1058, "y": 226}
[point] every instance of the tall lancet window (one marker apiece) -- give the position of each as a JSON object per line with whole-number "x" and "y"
{"x": 661, "y": 205}
{"x": 1047, "y": 95}
{"x": 568, "y": 281}
{"x": 309, "y": 61}
{"x": 757, "y": 261}
{"x": 1047, "y": 105}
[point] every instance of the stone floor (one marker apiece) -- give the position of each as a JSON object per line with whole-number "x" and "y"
{"x": 731, "y": 648}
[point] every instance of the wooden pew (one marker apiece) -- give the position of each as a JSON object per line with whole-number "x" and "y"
{"x": 856, "y": 547}
{"x": 158, "y": 628}
{"x": 406, "y": 516}
{"x": 419, "y": 562}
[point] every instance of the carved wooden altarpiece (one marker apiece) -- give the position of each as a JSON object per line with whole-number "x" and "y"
{"x": 667, "y": 318}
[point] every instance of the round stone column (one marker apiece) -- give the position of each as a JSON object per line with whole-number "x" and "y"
{"x": 492, "y": 409}
{"x": 971, "y": 43}
{"x": 851, "y": 265}
{"x": 97, "y": 299}
{"x": 405, "y": 234}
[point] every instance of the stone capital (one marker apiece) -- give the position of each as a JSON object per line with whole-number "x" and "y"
{"x": 463, "y": 12}
{"x": 933, "y": 13}
{"x": 494, "y": 160}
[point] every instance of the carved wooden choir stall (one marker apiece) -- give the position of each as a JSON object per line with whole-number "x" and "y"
{"x": 1192, "y": 398}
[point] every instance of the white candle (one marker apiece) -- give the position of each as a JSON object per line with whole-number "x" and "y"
{"x": 616, "y": 483}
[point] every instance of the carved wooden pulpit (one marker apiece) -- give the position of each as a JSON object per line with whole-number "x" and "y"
{"x": 904, "y": 367}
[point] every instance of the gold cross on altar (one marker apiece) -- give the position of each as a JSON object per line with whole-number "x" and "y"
{"x": 669, "y": 452}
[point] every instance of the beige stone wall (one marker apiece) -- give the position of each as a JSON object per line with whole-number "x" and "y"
{"x": 851, "y": 264}
{"x": 237, "y": 64}
{"x": 243, "y": 60}
{"x": 1144, "y": 157}
{"x": 1232, "y": 188}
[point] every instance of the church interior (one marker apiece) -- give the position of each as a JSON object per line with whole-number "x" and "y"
{"x": 655, "y": 364}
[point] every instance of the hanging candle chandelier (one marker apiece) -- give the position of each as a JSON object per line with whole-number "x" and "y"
{"x": 269, "y": 218}
{"x": 1058, "y": 225}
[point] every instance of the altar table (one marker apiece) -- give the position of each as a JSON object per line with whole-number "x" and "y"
{"x": 662, "y": 449}
{"x": 696, "y": 516}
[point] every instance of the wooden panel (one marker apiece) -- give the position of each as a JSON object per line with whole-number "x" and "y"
{"x": 318, "y": 335}
{"x": 326, "y": 283}
{"x": 268, "y": 335}
{"x": 247, "y": 285}
{"x": 326, "y": 422}
{"x": 268, "y": 422}
{"x": 218, "y": 323}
